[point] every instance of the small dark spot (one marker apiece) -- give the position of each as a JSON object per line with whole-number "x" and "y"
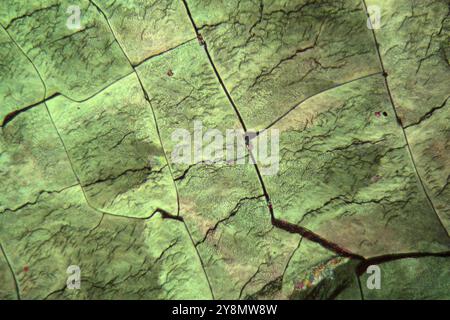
{"x": 249, "y": 136}
{"x": 385, "y": 114}
{"x": 170, "y": 73}
{"x": 26, "y": 268}
{"x": 385, "y": 74}
{"x": 200, "y": 39}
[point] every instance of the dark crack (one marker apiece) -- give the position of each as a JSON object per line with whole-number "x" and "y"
{"x": 232, "y": 213}
{"x": 30, "y": 14}
{"x": 362, "y": 267}
{"x": 298, "y": 104}
{"x": 428, "y": 115}
{"x": 163, "y": 52}
{"x": 391, "y": 99}
{"x": 146, "y": 95}
{"x": 16, "y": 282}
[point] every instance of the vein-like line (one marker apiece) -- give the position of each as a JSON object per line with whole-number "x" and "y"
{"x": 284, "y": 225}
{"x": 54, "y": 126}
{"x": 16, "y": 283}
{"x": 9, "y": 117}
{"x": 419, "y": 178}
{"x": 159, "y": 136}
{"x": 316, "y": 94}
{"x": 163, "y": 52}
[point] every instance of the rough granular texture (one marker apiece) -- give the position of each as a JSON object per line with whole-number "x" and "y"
{"x": 92, "y": 95}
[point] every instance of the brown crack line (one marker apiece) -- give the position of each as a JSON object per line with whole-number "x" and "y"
{"x": 289, "y": 227}
{"x": 293, "y": 228}
{"x": 275, "y": 222}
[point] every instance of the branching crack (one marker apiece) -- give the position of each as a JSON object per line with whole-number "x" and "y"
{"x": 428, "y": 114}
{"x": 232, "y": 213}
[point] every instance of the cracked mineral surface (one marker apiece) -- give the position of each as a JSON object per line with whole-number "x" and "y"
{"x": 99, "y": 98}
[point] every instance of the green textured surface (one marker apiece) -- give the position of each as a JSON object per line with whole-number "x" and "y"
{"x": 118, "y": 158}
{"x": 415, "y": 45}
{"x": 118, "y": 257}
{"x": 20, "y": 83}
{"x": 76, "y": 63}
{"x": 316, "y": 273}
{"x": 32, "y": 160}
{"x": 88, "y": 176}
{"x": 7, "y": 289}
{"x": 237, "y": 269}
{"x": 422, "y": 278}
{"x": 331, "y": 148}
{"x": 147, "y": 28}
{"x": 274, "y": 54}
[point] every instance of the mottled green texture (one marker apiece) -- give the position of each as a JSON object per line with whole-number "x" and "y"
{"x": 421, "y": 278}
{"x": 76, "y": 63}
{"x": 414, "y": 43}
{"x": 90, "y": 123}
{"x": 228, "y": 218}
{"x": 415, "y": 47}
{"x": 7, "y": 287}
{"x": 354, "y": 174}
{"x": 274, "y": 54}
{"x": 32, "y": 160}
{"x": 245, "y": 254}
{"x": 147, "y": 28}
{"x": 430, "y": 143}
{"x": 118, "y": 158}
{"x": 194, "y": 94}
{"x": 20, "y": 83}
{"x": 118, "y": 257}
{"x": 317, "y": 273}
